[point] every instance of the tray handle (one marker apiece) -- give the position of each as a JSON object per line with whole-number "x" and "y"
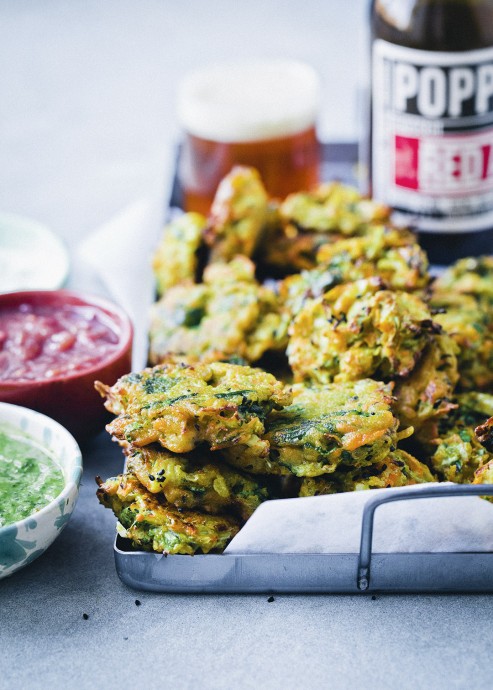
{"x": 420, "y": 491}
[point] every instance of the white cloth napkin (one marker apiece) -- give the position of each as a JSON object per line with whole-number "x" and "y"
{"x": 118, "y": 255}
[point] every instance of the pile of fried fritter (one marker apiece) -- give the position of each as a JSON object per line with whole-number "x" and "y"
{"x": 297, "y": 348}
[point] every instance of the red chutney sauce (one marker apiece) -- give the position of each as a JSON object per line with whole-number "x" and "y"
{"x": 40, "y": 342}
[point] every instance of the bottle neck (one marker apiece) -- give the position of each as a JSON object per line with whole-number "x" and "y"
{"x": 439, "y": 25}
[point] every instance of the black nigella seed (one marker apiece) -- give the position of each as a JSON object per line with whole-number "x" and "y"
{"x": 137, "y": 602}
{"x": 85, "y": 616}
{"x": 152, "y": 477}
{"x": 270, "y": 600}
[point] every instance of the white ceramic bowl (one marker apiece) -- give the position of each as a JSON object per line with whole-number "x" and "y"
{"x": 25, "y": 540}
{"x": 32, "y": 257}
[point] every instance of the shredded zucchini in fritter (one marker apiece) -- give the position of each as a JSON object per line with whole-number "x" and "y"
{"x": 228, "y": 314}
{"x": 196, "y": 482}
{"x": 180, "y": 407}
{"x": 155, "y": 526}
{"x": 324, "y": 427}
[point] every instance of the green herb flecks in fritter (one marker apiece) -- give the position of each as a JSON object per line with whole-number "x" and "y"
{"x": 196, "y": 482}
{"x": 425, "y": 396}
{"x": 469, "y": 321}
{"x": 155, "y": 526}
{"x": 324, "y": 427}
{"x": 397, "y": 469}
{"x": 181, "y": 406}
{"x": 470, "y": 276}
{"x": 237, "y": 215}
{"x": 228, "y": 314}
{"x": 308, "y": 220}
{"x": 176, "y": 259}
{"x": 359, "y": 330}
{"x": 464, "y": 439}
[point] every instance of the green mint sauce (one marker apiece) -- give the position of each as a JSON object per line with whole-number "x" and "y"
{"x": 29, "y": 478}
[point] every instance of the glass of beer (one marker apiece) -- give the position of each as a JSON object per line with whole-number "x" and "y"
{"x": 262, "y": 114}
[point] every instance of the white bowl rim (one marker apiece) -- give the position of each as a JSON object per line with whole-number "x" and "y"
{"x": 70, "y": 485}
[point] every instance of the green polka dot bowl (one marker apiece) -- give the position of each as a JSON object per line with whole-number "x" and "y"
{"x": 23, "y": 541}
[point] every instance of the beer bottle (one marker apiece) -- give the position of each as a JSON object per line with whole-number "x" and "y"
{"x": 432, "y": 120}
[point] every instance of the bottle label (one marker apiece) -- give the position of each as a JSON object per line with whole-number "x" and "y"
{"x": 432, "y": 129}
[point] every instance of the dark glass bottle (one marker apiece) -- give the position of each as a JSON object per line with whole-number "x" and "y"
{"x": 432, "y": 120}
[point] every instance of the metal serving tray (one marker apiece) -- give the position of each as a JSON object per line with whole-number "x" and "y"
{"x": 306, "y": 573}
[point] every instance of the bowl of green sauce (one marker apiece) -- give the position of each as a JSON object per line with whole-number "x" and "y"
{"x": 40, "y": 472}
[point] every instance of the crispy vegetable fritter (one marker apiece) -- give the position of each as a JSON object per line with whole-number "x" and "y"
{"x": 332, "y": 207}
{"x": 357, "y": 331}
{"x": 182, "y": 406}
{"x": 384, "y": 252}
{"x": 324, "y": 427}
{"x": 237, "y": 215}
{"x": 155, "y": 526}
{"x": 471, "y": 276}
{"x": 308, "y": 220}
{"x": 176, "y": 258}
{"x": 471, "y": 327}
{"x": 425, "y": 396}
{"x": 189, "y": 483}
{"x": 397, "y": 469}
{"x": 229, "y": 313}
{"x": 461, "y": 446}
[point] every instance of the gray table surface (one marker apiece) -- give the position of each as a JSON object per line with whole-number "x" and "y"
{"x": 87, "y": 125}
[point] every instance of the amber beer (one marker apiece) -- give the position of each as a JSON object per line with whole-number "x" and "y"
{"x": 432, "y": 120}
{"x": 260, "y": 114}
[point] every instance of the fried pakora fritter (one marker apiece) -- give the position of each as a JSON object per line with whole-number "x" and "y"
{"x": 238, "y": 214}
{"x": 195, "y": 482}
{"x": 425, "y": 395}
{"x": 471, "y": 327}
{"x": 155, "y": 526}
{"x": 181, "y": 406}
{"x": 324, "y": 427}
{"x": 462, "y": 444}
{"x": 176, "y": 258}
{"x": 357, "y": 331}
{"x": 229, "y": 313}
{"x": 470, "y": 276}
{"x": 398, "y": 469}
{"x": 308, "y": 220}
{"x": 384, "y": 252}
{"x": 332, "y": 207}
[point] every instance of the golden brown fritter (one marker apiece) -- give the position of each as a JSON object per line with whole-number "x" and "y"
{"x": 238, "y": 214}
{"x": 196, "y": 481}
{"x": 229, "y": 313}
{"x": 384, "y": 252}
{"x": 471, "y": 327}
{"x": 470, "y": 276}
{"x": 397, "y": 469}
{"x": 324, "y": 427}
{"x": 425, "y": 395}
{"x": 308, "y": 220}
{"x": 357, "y": 331}
{"x": 181, "y": 406}
{"x": 176, "y": 258}
{"x": 463, "y": 442}
{"x": 155, "y": 526}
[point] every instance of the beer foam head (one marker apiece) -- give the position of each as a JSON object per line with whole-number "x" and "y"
{"x": 249, "y": 101}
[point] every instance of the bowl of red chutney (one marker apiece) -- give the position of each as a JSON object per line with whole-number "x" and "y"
{"x": 53, "y": 346}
